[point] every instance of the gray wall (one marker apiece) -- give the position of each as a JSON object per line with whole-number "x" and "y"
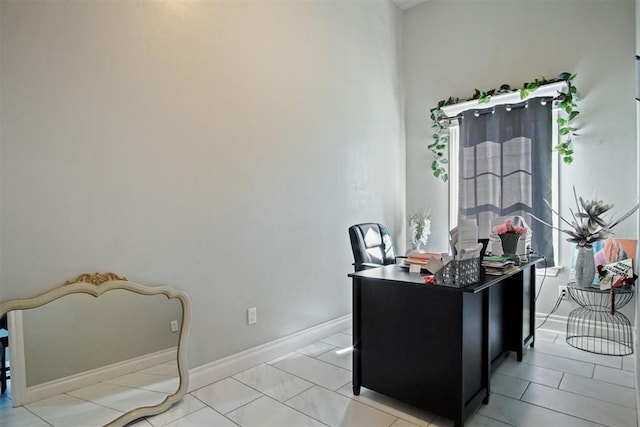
{"x": 222, "y": 148}
{"x": 453, "y": 47}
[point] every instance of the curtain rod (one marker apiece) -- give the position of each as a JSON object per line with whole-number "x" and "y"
{"x": 509, "y": 107}
{"x": 545, "y": 90}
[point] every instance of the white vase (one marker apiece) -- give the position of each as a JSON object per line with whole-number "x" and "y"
{"x": 585, "y": 266}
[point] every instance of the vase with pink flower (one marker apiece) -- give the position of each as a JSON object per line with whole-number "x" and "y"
{"x": 509, "y": 237}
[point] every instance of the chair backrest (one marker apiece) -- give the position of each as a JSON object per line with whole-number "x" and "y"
{"x": 371, "y": 243}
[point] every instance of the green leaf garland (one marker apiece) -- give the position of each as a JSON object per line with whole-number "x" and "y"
{"x": 568, "y": 103}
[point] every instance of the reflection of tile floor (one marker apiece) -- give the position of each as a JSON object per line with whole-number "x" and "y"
{"x": 555, "y": 385}
{"x": 95, "y": 405}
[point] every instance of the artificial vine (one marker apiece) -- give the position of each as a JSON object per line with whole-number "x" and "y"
{"x": 568, "y": 103}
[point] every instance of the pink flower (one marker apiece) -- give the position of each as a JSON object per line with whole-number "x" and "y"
{"x": 520, "y": 230}
{"x": 500, "y": 229}
{"x": 508, "y": 228}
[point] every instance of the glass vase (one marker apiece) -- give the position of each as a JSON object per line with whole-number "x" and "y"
{"x": 585, "y": 266}
{"x": 415, "y": 249}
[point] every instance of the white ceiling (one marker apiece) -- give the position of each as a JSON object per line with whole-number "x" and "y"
{"x": 407, "y": 4}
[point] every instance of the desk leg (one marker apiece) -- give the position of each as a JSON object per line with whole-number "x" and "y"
{"x": 527, "y": 298}
{"x": 532, "y": 304}
{"x": 523, "y": 291}
{"x": 486, "y": 363}
{"x": 356, "y": 375}
{"x": 3, "y": 372}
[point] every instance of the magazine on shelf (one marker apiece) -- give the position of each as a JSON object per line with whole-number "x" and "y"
{"x": 498, "y": 265}
{"x": 497, "y": 262}
{"x": 500, "y": 271}
{"x": 615, "y": 273}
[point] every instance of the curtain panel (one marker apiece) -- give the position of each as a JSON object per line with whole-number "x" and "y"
{"x": 505, "y": 168}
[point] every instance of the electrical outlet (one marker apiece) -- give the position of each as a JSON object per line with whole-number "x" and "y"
{"x": 562, "y": 292}
{"x": 252, "y": 315}
{"x": 174, "y": 326}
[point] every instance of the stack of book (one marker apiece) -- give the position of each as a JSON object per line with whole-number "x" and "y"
{"x": 425, "y": 261}
{"x": 498, "y": 265}
{"x": 421, "y": 258}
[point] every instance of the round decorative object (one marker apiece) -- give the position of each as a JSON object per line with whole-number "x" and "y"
{"x": 585, "y": 266}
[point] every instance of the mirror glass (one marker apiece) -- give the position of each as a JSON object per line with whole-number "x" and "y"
{"x": 105, "y": 353}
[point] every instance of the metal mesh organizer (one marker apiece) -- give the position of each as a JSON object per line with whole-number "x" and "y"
{"x": 459, "y": 273}
{"x": 597, "y": 326}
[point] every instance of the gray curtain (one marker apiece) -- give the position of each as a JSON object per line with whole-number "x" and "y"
{"x": 505, "y": 168}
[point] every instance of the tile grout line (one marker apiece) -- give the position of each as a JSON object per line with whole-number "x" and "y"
{"x": 538, "y": 350}
{"x": 36, "y": 415}
{"x": 299, "y": 411}
{"x": 342, "y": 386}
{"x": 566, "y": 414}
{"x": 267, "y": 396}
{"x": 563, "y": 413}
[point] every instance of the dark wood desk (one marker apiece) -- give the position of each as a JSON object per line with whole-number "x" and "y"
{"x": 435, "y": 346}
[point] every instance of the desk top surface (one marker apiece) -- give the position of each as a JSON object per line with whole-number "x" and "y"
{"x": 396, "y": 273}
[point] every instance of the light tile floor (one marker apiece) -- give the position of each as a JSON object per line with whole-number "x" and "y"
{"x": 555, "y": 385}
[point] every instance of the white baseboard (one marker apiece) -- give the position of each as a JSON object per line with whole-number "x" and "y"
{"x": 553, "y": 323}
{"x": 215, "y": 371}
{"x": 84, "y": 379}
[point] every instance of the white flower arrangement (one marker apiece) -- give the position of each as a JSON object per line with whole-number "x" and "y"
{"x": 420, "y": 228}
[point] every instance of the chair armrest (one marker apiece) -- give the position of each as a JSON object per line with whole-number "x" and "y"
{"x": 365, "y": 266}
{"x": 370, "y": 265}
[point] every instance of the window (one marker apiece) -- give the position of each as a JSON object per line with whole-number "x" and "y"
{"x": 502, "y": 164}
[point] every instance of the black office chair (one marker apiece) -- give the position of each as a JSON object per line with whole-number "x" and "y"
{"x": 4, "y": 344}
{"x": 371, "y": 245}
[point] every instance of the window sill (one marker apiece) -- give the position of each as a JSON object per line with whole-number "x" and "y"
{"x": 549, "y": 272}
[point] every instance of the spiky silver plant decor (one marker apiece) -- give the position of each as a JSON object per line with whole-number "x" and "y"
{"x": 590, "y": 223}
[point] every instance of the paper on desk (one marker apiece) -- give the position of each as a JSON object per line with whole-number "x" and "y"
{"x": 453, "y": 240}
{"x": 464, "y": 238}
{"x": 470, "y": 252}
{"x": 415, "y": 268}
{"x": 434, "y": 265}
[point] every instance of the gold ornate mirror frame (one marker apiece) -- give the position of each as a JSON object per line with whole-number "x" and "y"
{"x": 96, "y": 284}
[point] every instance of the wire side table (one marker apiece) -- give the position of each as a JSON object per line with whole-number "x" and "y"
{"x": 597, "y": 326}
